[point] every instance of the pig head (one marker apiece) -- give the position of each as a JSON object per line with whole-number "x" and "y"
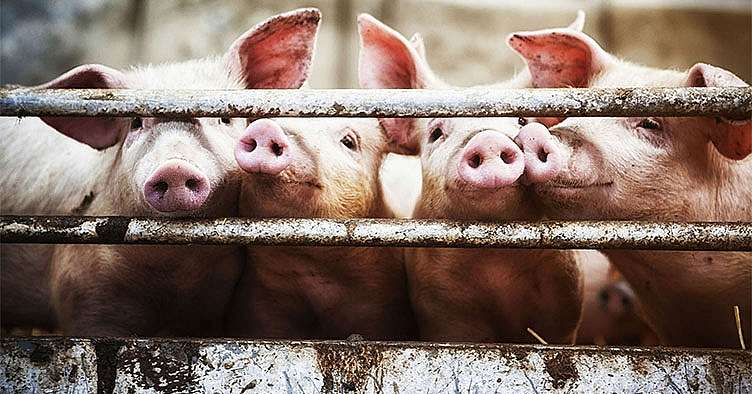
{"x": 652, "y": 168}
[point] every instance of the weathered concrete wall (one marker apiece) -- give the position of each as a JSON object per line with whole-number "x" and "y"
{"x": 464, "y": 39}
{"x": 128, "y": 366}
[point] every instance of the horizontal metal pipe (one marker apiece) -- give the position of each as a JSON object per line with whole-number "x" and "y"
{"x": 379, "y": 232}
{"x": 731, "y": 102}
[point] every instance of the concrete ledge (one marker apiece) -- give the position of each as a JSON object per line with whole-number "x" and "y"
{"x": 74, "y": 365}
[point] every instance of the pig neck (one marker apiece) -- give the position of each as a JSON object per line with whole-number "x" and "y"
{"x": 517, "y": 262}
{"x": 714, "y": 281}
{"x": 332, "y": 257}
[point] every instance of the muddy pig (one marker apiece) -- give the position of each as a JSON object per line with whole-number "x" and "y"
{"x": 161, "y": 167}
{"x": 651, "y": 168}
{"x": 471, "y": 170}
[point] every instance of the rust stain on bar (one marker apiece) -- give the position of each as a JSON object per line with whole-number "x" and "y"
{"x": 731, "y": 102}
{"x": 719, "y": 236}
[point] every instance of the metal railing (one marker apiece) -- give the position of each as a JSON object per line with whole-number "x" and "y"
{"x": 379, "y": 232}
{"x": 729, "y": 102}
{"x": 71, "y": 364}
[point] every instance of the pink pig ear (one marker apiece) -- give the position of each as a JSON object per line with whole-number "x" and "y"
{"x": 417, "y": 42}
{"x": 560, "y": 57}
{"x": 99, "y": 132}
{"x": 276, "y": 53}
{"x": 732, "y": 138}
{"x": 388, "y": 61}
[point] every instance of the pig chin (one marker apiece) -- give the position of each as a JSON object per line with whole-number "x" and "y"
{"x": 285, "y": 188}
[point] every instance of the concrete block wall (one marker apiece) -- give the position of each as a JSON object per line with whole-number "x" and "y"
{"x": 464, "y": 38}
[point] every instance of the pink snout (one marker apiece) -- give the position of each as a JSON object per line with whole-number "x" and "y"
{"x": 543, "y": 156}
{"x": 176, "y": 186}
{"x": 491, "y": 160}
{"x": 263, "y": 148}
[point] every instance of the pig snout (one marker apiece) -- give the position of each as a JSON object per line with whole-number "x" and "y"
{"x": 491, "y": 160}
{"x": 616, "y": 299}
{"x": 176, "y": 186}
{"x": 263, "y": 148}
{"x": 543, "y": 156}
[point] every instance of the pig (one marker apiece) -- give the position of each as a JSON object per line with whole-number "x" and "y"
{"x": 650, "y": 168}
{"x": 611, "y": 314}
{"x": 318, "y": 168}
{"x": 471, "y": 170}
{"x": 160, "y": 167}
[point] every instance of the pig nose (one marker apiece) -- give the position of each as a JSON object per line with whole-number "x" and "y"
{"x": 491, "y": 160}
{"x": 543, "y": 156}
{"x": 615, "y": 301}
{"x": 176, "y": 186}
{"x": 263, "y": 148}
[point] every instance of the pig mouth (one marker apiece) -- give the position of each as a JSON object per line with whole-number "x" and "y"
{"x": 560, "y": 184}
{"x": 275, "y": 181}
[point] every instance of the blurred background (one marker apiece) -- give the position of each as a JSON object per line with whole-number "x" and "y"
{"x": 464, "y": 38}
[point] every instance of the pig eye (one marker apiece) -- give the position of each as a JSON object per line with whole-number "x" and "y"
{"x": 136, "y": 123}
{"x": 435, "y": 134}
{"x": 225, "y": 120}
{"x": 349, "y": 142}
{"x": 649, "y": 124}
{"x": 521, "y": 121}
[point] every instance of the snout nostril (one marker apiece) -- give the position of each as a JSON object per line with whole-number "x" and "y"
{"x": 161, "y": 187}
{"x": 625, "y": 302}
{"x": 475, "y": 161}
{"x": 603, "y": 296}
{"x": 506, "y": 157}
{"x": 251, "y": 145}
{"x": 192, "y": 184}
{"x": 277, "y": 149}
{"x": 542, "y": 155}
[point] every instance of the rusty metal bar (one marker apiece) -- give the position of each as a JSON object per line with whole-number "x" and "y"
{"x": 379, "y": 232}
{"x": 126, "y": 365}
{"x": 731, "y": 102}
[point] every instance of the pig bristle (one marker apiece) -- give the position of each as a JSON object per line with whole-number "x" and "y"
{"x": 206, "y": 73}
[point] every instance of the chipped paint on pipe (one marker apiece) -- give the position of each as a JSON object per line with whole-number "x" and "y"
{"x": 241, "y": 366}
{"x": 379, "y": 232}
{"x": 731, "y": 102}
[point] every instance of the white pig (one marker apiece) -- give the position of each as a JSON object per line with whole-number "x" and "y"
{"x": 320, "y": 168}
{"x": 651, "y": 168}
{"x": 471, "y": 171}
{"x": 158, "y": 167}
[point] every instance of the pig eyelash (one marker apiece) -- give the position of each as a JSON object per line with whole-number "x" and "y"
{"x": 349, "y": 142}
{"x": 650, "y": 124}
{"x": 136, "y": 123}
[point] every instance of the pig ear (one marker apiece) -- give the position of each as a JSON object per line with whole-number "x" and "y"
{"x": 97, "y": 132}
{"x": 579, "y": 21}
{"x": 417, "y": 42}
{"x": 276, "y": 53}
{"x": 560, "y": 57}
{"x": 388, "y": 61}
{"x": 732, "y": 138}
